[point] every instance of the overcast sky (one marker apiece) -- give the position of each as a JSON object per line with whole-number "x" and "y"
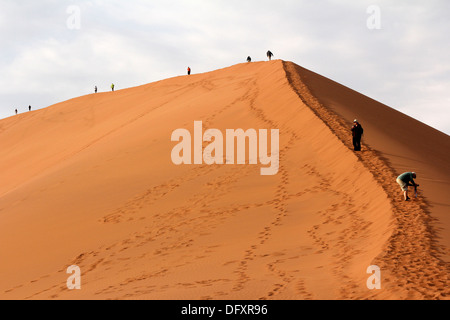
{"x": 394, "y": 51}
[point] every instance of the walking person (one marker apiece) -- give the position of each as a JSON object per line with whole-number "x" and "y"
{"x": 269, "y": 55}
{"x": 406, "y": 180}
{"x": 112, "y": 87}
{"x": 249, "y": 59}
{"x": 357, "y": 132}
{"x": 29, "y": 108}
{"x": 189, "y": 71}
{"x": 16, "y": 111}
{"x": 95, "y": 89}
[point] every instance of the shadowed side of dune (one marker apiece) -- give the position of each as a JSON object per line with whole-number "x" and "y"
{"x": 403, "y": 142}
{"x": 412, "y": 259}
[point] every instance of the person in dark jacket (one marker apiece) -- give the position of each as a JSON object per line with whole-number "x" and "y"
{"x": 269, "y": 55}
{"x": 357, "y": 132}
{"x": 249, "y": 59}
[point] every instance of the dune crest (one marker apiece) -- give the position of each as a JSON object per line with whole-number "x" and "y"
{"x": 90, "y": 182}
{"x": 411, "y": 255}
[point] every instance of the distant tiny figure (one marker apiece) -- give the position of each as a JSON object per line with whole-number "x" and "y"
{"x": 95, "y": 89}
{"x": 29, "y": 108}
{"x": 112, "y": 87}
{"x": 249, "y": 59}
{"x": 406, "y": 180}
{"x": 357, "y": 132}
{"x": 16, "y": 111}
{"x": 189, "y": 71}
{"x": 269, "y": 55}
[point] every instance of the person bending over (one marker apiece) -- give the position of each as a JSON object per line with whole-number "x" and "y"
{"x": 406, "y": 180}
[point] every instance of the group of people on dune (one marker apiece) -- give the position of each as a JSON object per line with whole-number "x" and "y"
{"x": 405, "y": 180}
{"x": 17, "y": 111}
{"x": 249, "y": 59}
{"x": 269, "y": 56}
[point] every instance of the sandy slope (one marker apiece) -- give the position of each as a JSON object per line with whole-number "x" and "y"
{"x": 90, "y": 182}
{"x": 403, "y": 142}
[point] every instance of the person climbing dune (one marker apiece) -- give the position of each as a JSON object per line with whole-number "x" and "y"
{"x": 249, "y": 59}
{"x": 357, "y": 132}
{"x": 406, "y": 180}
{"x": 269, "y": 55}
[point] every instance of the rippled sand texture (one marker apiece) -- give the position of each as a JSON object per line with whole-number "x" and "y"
{"x": 90, "y": 182}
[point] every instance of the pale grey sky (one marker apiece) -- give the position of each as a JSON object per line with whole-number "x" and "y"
{"x": 54, "y": 50}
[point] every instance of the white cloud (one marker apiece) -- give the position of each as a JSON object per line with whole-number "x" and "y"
{"x": 404, "y": 65}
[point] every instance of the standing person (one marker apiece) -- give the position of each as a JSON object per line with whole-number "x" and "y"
{"x": 269, "y": 55}
{"x": 95, "y": 89}
{"x": 189, "y": 71}
{"x": 406, "y": 180}
{"x": 112, "y": 87}
{"x": 357, "y": 132}
{"x": 249, "y": 59}
{"x": 16, "y": 111}
{"x": 29, "y": 108}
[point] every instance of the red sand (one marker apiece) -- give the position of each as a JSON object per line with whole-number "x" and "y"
{"x": 90, "y": 182}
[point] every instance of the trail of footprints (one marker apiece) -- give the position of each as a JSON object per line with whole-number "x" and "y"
{"x": 104, "y": 256}
{"x": 411, "y": 254}
{"x": 409, "y": 251}
{"x": 278, "y": 203}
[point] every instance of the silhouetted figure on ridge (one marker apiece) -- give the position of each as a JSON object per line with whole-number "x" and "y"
{"x": 357, "y": 132}
{"x": 29, "y": 108}
{"x": 95, "y": 89}
{"x": 112, "y": 87}
{"x": 249, "y": 59}
{"x": 16, "y": 111}
{"x": 189, "y": 71}
{"x": 269, "y": 55}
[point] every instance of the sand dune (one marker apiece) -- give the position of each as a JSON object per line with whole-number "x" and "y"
{"x": 90, "y": 182}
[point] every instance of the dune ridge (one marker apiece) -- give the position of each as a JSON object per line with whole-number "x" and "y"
{"x": 90, "y": 183}
{"x": 412, "y": 255}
